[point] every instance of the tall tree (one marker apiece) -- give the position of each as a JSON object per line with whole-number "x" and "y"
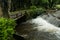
{"x": 4, "y": 6}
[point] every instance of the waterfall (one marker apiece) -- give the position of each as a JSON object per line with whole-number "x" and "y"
{"x": 51, "y": 19}
{"x": 39, "y": 29}
{"x": 44, "y": 30}
{"x": 43, "y": 24}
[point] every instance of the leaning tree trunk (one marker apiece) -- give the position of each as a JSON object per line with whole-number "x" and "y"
{"x": 4, "y": 6}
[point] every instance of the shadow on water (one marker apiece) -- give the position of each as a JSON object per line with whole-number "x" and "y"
{"x": 17, "y": 37}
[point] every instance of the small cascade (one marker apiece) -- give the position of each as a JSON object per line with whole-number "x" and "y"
{"x": 45, "y": 30}
{"x": 52, "y": 18}
{"x": 39, "y": 29}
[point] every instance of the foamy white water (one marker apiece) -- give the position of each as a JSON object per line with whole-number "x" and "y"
{"x": 39, "y": 29}
{"x": 45, "y": 30}
{"x": 43, "y": 25}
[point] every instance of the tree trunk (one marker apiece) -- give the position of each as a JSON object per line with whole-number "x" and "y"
{"x": 4, "y": 6}
{"x": 0, "y": 11}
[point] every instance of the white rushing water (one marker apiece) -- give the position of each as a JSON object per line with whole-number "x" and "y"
{"x": 39, "y": 29}
{"x": 44, "y": 30}
{"x": 52, "y": 18}
{"x": 43, "y": 25}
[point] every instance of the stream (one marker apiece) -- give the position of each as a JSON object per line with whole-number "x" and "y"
{"x": 43, "y": 27}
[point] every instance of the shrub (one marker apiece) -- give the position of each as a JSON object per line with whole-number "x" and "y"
{"x": 33, "y": 7}
{"x": 6, "y": 28}
{"x": 36, "y": 12}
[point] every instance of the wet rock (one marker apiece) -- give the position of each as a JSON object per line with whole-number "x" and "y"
{"x": 17, "y": 37}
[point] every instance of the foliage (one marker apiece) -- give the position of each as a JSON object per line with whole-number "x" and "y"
{"x": 49, "y": 4}
{"x": 58, "y": 6}
{"x": 6, "y": 28}
{"x": 36, "y": 12}
{"x": 26, "y": 4}
{"x": 33, "y": 7}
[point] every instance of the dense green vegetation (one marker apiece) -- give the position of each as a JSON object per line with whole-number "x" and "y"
{"x": 34, "y": 8}
{"x": 6, "y": 28}
{"x": 18, "y": 5}
{"x": 26, "y": 4}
